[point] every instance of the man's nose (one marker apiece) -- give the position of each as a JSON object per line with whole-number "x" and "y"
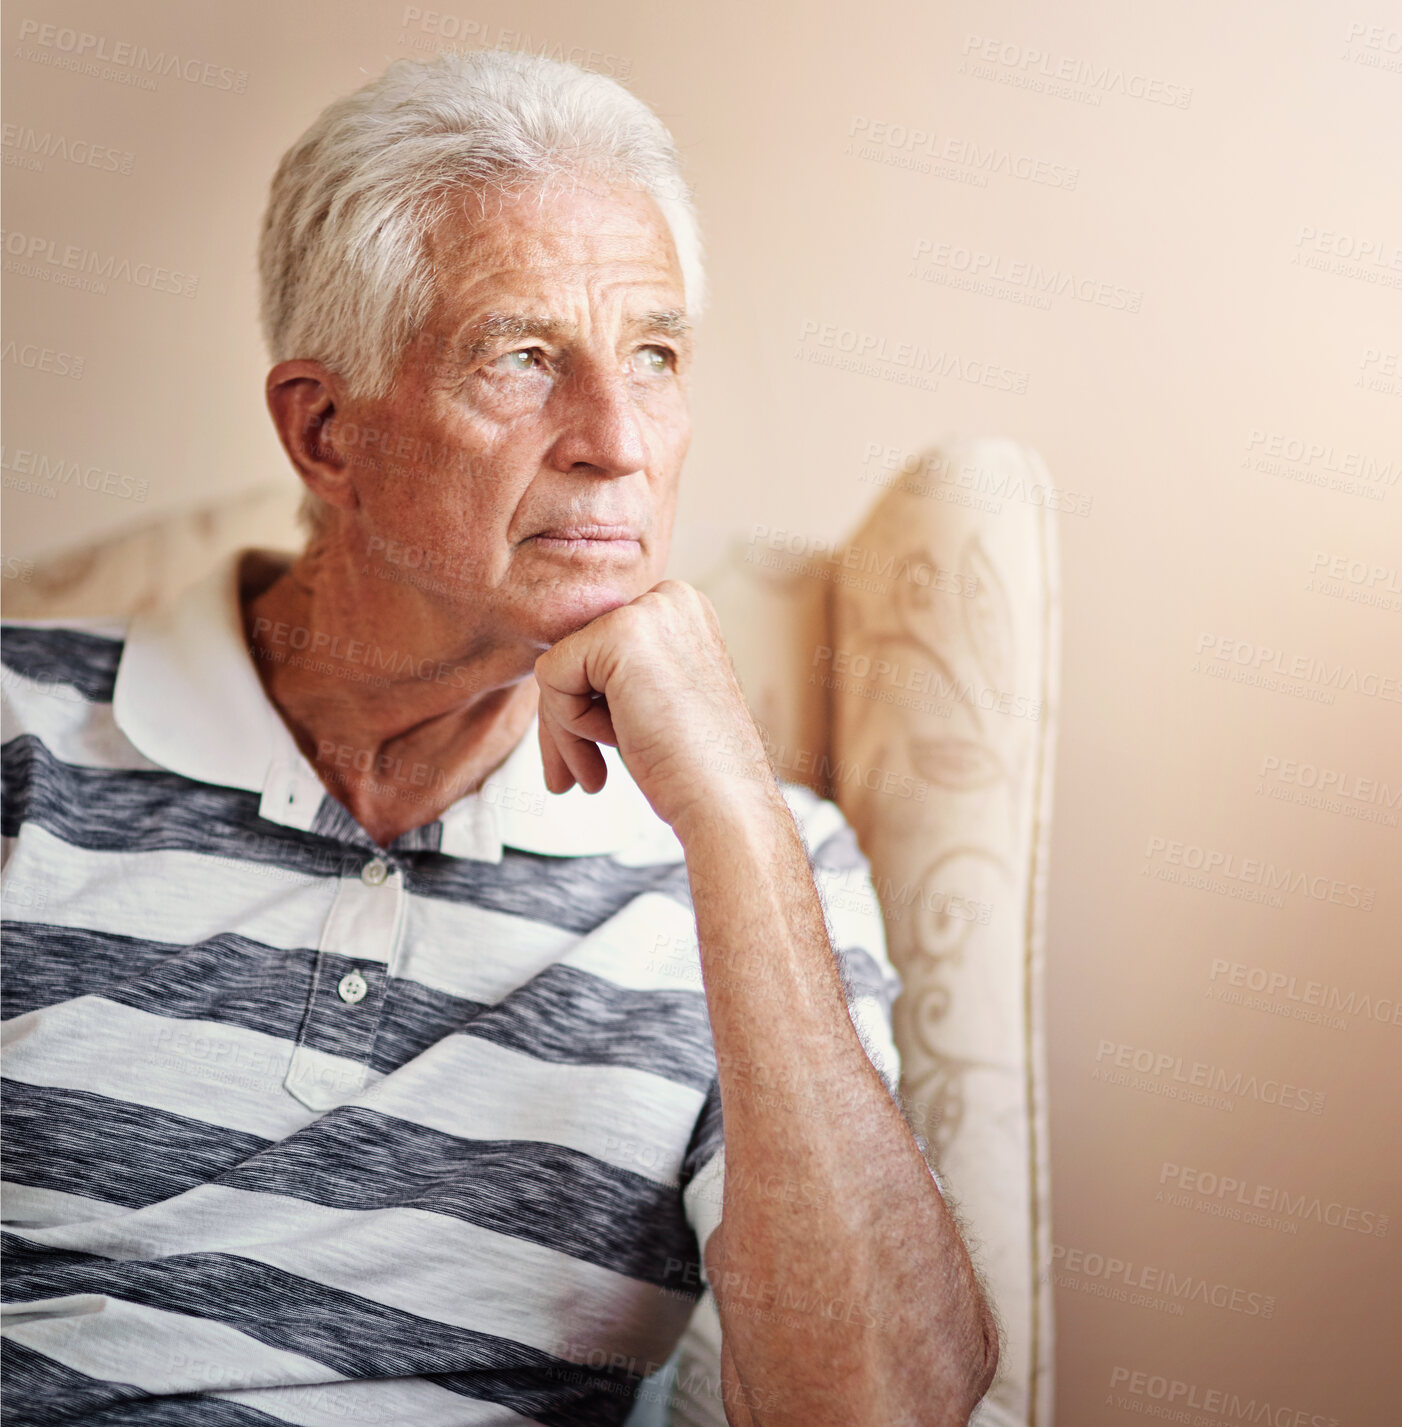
{"x": 600, "y": 425}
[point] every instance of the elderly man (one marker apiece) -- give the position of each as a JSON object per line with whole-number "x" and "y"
{"x": 391, "y": 925}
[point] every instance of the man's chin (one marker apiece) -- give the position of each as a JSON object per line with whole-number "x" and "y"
{"x": 560, "y": 612}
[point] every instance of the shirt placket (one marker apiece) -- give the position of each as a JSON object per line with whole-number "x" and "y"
{"x": 363, "y": 928}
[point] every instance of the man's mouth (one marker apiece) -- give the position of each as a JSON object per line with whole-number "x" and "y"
{"x": 589, "y": 539}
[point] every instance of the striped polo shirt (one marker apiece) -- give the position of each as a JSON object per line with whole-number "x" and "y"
{"x": 303, "y": 1129}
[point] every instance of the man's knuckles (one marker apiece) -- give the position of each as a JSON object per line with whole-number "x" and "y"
{"x": 669, "y": 634}
{"x": 683, "y": 609}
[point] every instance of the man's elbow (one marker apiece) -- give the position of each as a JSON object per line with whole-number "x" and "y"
{"x": 969, "y": 1372}
{"x": 960, "y": 1374}
{"x": 988, "y": 1369}
{"x": 983, "y": 1359}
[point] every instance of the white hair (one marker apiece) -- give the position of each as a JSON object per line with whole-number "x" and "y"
{"x": 341, "y": 260}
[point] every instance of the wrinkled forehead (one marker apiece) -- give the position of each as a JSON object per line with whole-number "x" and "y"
{"x": 558, "y": 242}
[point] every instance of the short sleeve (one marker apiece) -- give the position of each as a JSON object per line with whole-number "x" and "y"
{"x": 858, "y": 934}
{"x": 703, "y": 1172}
{"x": 842, "y": 877}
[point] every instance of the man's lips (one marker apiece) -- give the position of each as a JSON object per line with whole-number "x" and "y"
{"x": 589, "y": 532}
{"x": 601, "y": 538}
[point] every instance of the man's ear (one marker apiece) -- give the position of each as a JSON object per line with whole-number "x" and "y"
{"x": 302, "y": 400}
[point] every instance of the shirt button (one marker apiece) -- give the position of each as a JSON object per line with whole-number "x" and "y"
{"x": 351, "y": 988}
{"x": 374, "y": 872}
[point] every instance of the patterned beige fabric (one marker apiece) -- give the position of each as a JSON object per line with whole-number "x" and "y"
{"x": 959, "y": 603}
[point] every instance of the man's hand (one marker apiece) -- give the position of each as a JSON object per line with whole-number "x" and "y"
{"x": 653, "y": 679}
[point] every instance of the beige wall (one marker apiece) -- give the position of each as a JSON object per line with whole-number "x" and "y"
{"x": 1229, "y": 417}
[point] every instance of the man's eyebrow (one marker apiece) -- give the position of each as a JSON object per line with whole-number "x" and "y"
{"x": 497, "y": 327}
{"x": 671, "y": 323}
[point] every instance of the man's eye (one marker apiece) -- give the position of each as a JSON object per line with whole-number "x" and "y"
{"x": 654, "y": 361}
{"x": 524, "y": 359}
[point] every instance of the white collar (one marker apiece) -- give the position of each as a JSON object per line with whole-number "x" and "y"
{"x": 189, "y": 697}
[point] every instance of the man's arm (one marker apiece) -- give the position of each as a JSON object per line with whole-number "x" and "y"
{"x": 851, "y": 1300}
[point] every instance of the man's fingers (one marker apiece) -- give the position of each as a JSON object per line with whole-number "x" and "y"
{"x": 558, "y": 778}
{"x": 574, "y": 719}
{"x": 573, "y": 723}
{"x": 595, "y": 723}
{"x": 586, "y": 763}
{"x": 583, "y": 760}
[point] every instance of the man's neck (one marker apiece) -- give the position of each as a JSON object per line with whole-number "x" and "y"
{"x": 398, "y": 728}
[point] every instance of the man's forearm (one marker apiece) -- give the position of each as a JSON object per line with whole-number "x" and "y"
{"x": 846, "y": 1295}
